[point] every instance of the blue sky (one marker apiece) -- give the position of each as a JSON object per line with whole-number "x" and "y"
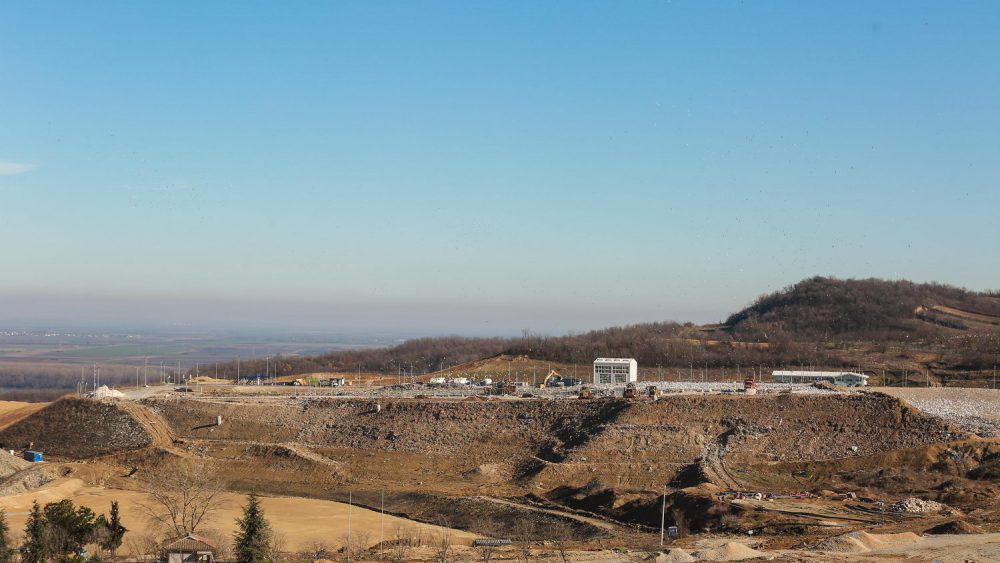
{"x": 487, "y": 166}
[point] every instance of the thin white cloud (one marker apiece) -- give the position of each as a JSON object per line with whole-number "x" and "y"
{"x": 11, "y": 168}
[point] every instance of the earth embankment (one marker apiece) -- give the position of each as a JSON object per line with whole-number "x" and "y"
{"x": 77, "y": 429}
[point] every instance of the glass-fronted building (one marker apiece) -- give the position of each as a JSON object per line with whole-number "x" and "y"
{"x": 615, "y": 370}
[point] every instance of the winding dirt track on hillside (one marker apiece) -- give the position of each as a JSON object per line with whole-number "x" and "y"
{"x": 155, "y": 425}
{"x": 596, "y": 522}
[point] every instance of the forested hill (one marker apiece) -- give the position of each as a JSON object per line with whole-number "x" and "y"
{"x": 871, "y": 309}
{"x": 781, "y": 328}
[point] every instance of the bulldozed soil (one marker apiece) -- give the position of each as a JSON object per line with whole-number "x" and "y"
{"x": 594, "y": 472}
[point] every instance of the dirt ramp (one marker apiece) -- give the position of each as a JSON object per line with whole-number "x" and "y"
{"x": 76, "y": 429}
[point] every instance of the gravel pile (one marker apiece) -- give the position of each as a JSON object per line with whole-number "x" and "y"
{"x": 973, "y": 416}
{"x": 917, "y": 505}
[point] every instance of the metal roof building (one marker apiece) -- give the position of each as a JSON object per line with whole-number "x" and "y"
{"x": 847, "y": 378}
{"x": 615, "y": 370}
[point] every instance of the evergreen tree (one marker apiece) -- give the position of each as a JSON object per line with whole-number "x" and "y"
{"x": 69, "y": 527}
{"x": 6, "y": 551}
{"x": 116, "y": 529}
{"x": 253, "y": 538}
{"x": 35, "y": 548}
{"x": 111, "y": 530}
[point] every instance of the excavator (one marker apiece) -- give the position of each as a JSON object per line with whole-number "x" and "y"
{"x": 551, "y": 380}
{"x": 554, "y": 379}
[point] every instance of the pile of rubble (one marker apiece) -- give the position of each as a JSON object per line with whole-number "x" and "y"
{"x": 971, "y": 409}
{"x": 917, "y": 505}
{"x": 105, "y": 392}
{"x": 972, "y": 416}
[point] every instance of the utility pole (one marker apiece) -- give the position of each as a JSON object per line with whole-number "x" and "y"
{"x": 350, "y": 501}
{"x": 663, "y": 513}
{"x": 137, "y": 379}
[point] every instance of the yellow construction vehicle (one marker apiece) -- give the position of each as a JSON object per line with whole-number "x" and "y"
{"x": 653, "y": 392}
{"x": 585, "y": 392}
{"x": 550, "y": 380}
{"x": 631, "y": 391}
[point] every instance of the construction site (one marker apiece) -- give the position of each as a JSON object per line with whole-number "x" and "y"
{"x": 559, "y": 467}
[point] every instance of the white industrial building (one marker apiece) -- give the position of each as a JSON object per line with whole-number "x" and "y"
{"x": 615, "y": 370}
{"x": 847, "y": 378}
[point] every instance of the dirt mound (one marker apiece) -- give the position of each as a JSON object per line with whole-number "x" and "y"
{"x": 863, "y": 542}
{"x": 955, "y": 527}
{"x": 27, "y": 479}
{"x": 76, "y": 428}
{"x": 731, "y": 551}
{"x": 676, "y": 555}
{"x": 11, "y": 464}
{"x": 105, "y": 392}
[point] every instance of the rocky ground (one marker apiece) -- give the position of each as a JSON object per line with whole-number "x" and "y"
{"x": 973, "y": 410}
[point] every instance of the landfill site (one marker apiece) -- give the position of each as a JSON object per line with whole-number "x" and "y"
{"x": 654, "y": 471}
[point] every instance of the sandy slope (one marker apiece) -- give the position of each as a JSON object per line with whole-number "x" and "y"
{"x": 13, "y": 411}
{"x": 301, "y": 521}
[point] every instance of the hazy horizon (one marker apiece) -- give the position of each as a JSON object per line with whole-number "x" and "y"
{"x": 482, "y": 168}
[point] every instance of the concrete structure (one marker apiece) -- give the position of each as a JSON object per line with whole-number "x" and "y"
{"x": 189, "y": 549}
{"x": 615, "y": 370}
{"x": 846, "y": 378}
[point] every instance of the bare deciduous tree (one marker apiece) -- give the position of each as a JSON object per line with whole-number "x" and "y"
{"x": 277, "y": 548}
{"x": 562, "y": 534}
{"x": 523, "y": 533}
{"x": 442, "y": 541}
{"x": 223, "y": 543}
{"x": 183, "y": 493}
{"x": 318, "y": 548}
{"x": 143, "y": 547}
{"x": 403, "y": 540}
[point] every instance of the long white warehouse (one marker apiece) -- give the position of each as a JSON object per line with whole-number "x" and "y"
{"x": 615, "y": 370}
{"x": 847, "y": 378}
